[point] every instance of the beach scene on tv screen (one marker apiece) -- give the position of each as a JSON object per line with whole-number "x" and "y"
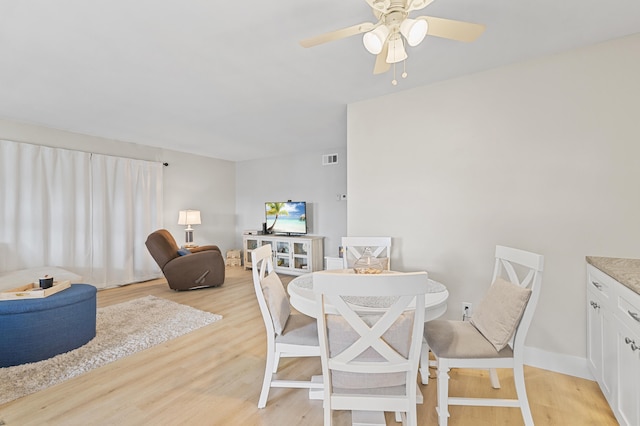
{"x": 287, "y": 217}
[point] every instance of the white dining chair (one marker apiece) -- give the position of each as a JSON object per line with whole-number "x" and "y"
{"x": 288, "y": 334}
{"x": 370, "y": 355}
{"x": 354, "y": 247}
{"x": 495, "y": 335}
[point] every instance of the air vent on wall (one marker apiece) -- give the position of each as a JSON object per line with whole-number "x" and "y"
{"x": 329, "y": 159}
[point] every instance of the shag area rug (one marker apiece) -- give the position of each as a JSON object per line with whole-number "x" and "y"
{"x": 121, "y": 330}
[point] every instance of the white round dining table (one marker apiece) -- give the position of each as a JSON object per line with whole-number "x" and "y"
{"x": 302, "y": 298}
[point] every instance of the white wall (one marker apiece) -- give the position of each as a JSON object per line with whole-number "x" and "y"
{"x": 205, "y": 184}
{"x": 299, "y": 177}
{"x": 190, "y": 181}
{"x": 543, "y": 155}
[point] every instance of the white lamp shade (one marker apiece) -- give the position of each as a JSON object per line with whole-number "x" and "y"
{"x": 374, "y": 39}
{"x": 396, "y": 50}
{"x": 414, "y": 30}
{"x": 189, "y": 217}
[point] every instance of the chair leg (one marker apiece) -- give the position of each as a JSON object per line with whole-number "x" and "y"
{"x": 518, "y": 377}
{"x": 493, "y": 376}
{"x": 412, "y": 416}
{"x": 424, "y": 362}
{"x": 276, "y": 362}
{"x": 328, "y": 420}
{"x": 443, "y": 392}
{"x": 266, "y": 382}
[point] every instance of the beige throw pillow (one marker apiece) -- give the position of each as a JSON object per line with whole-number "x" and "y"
{"x": 499, "y": 312}
{"x": 277, "y": 301}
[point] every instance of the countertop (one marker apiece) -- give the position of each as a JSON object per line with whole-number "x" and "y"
{"x": 625, "y": 271}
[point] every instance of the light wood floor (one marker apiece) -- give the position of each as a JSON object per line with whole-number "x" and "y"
{"x": 213, "y": 376}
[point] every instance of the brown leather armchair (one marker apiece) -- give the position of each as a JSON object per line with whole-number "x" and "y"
{"x": 204, "y": 267}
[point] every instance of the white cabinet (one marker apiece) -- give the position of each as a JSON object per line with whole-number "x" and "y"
{"x": 613, "y": 343}
{"x": 601, "y": 337}
{"x": 628, "y": 357}
{"x": 291, "y": 255}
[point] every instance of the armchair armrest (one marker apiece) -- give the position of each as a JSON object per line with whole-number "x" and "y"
{"x": 205, "y": 248}
{"x": 204, "y": 268}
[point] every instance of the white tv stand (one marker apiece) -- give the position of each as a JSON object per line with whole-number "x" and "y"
{"x": 293, "y": 255}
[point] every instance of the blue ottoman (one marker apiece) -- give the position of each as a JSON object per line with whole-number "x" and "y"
{"x": 36, "y": 329}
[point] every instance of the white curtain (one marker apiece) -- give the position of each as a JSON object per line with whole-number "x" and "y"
{"x": 87, "y": 213}
{"x": 127, "y": 204}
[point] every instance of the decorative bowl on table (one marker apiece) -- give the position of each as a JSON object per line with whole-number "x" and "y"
{"x": 368, "y": 264}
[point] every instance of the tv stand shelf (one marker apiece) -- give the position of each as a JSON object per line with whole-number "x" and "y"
{"x": 293, "y": 255}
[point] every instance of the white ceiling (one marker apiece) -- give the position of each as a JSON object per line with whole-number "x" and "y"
{"x": 229, "y": 79}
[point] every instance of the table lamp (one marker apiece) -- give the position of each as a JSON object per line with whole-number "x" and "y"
{"x": 189, "y": 217}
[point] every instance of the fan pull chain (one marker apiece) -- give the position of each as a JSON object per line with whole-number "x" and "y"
{"x": 404, "y": 72}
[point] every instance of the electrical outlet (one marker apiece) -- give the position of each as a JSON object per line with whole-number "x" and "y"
{"x": 466, "y": 310}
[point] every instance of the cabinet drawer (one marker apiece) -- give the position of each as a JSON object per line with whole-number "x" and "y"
{"x": 600, "y": 282}
{"x": 628, "y": 308}
{"x": 596, "y": 300}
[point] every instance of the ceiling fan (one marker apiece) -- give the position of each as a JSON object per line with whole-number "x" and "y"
{"x": 387, "y": 37}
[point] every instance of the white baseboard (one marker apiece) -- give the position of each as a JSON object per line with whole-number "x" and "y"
{"x": 564, "y": 364}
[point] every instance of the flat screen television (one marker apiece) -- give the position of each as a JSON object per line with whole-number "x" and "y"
{"x": 286, "y": 217}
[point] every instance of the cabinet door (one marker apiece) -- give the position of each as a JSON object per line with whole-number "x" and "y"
{"x": 301, "y": 254}
{"x": 608, "y": 354}
{"x": 600, "y": 342}
{"x": 282, "y": 254}
{"x": 595, "y": 340}
{"x": 628, "y": 375}
{"x": 282, "y": 247}
{"x": 249, "y": 245}
{"x": 301, "y": 248}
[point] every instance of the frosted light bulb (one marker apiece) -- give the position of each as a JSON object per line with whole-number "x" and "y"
{"x": 374, "y": 40}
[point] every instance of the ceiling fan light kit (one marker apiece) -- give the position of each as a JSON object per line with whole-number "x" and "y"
{"x": 396, "y": 51}
{"x": 386, "y": 38}
{"x": 374, "y": 40}
{"x": 414, "y": 30}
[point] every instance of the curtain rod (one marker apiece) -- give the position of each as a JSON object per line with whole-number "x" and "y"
{"x": 44, "y": 145}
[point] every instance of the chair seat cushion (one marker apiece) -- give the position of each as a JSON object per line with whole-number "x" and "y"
{"x": 460, "y": 339}
{"x": 299, "y": 330}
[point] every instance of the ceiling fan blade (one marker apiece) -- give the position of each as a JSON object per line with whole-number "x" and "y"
{"x": 382, "y": 65}
{"x": 337, "y": 35}
{"x": 453, "y": 30}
